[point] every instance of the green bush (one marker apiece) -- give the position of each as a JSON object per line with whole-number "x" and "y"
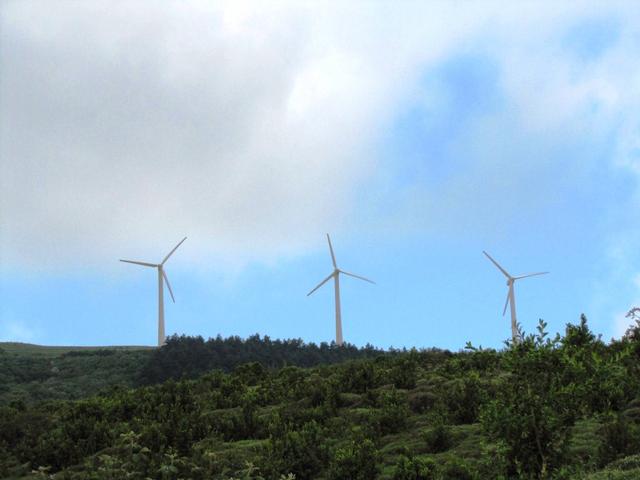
{"x": 620, "y": 438}
{"x": 357, "y": 460}
{"x": 438, "y": 438}
{"x": 392, "y": 415}
{"x": 409, "y": 467}
{"x": 404, "y": 373}
{"x": 529, "y": 412}
{"x": 301, "y": 452}
{"x": 455, "y": 469}
{"x": 422, "y": 401}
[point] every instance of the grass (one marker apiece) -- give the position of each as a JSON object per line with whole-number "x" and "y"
{"x": 34, "y": 373}
{"x": 30, "y": 349}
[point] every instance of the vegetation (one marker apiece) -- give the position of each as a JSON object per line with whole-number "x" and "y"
{"x": 33, "y": 373}
{"x": 566, "y": 407}
{"x": 189, "y": 357}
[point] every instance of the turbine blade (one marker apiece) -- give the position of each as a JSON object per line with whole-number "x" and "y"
{"x": 357, "y": 276}
{"x": 333, "y": 257}
{"x": 166, "y": 279}
{"x": 171, "y": 252}
{"x": 145, "y": 264}
{"x": 321, "y": 283}
{"x": 506, "y": 303}
{"x": 497, "y": 264}
{"x": 530, "y": 275}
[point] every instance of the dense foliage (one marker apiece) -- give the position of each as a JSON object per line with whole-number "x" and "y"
{"x": 30, "y": 373}
{"x": 566, "y": 407}
{"x": 189, "y": 357}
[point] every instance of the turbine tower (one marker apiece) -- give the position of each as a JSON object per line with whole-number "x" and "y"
{"x": 336, "y": 282}
{"x": 162, "y": 278}
{"x": 511, "y": 296}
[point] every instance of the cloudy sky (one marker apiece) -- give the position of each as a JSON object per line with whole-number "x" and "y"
{"x": 417, "y": 134}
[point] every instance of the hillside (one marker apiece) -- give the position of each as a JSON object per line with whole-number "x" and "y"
{"x": 34, "y": 373}
{"x": 30, "y": 349}
{"x": 566, "y": 408}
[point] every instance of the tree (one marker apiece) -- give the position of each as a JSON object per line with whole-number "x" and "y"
{"x": 357, "y": 460}
{"x": 301, "y": 452}
{"x": 529, "y": 414}
{"x": 409, "y": 467}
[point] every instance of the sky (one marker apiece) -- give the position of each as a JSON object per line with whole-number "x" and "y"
{"x": 418, "y": 134}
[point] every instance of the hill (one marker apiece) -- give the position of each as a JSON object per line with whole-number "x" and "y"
{"x": 566, "y": 408}
{"x": 31, "y": 349}
{"x": 34, "y": 373}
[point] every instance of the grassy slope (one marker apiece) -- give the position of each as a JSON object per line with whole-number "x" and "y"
{"x": 33, "y": 373}
{"x": 19, "y": 348}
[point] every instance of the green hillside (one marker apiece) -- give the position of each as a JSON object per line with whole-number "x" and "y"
{"x": 566, "y": 407}
{"x": 34, "y": 373}
{"x": 30, "y": 349}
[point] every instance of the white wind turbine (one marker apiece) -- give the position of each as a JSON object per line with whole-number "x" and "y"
{"x": 336, "y": 281}
{"x": 162, "y": 277}
{"x": 511, "y": 296}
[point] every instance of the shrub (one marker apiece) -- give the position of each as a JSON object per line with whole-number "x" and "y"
{"x": 456, "y": 469}
{"x": 358, "y": 460}
{"x": 420, "y": 402}
{"x": 392, "y": 415}
{"x": 404, "y": 373}
{"x": 301, "y": 452}
{"x": 619, "y": 438}
{"x": 529, "y": 413}
{"x": 410, "y": 468}
{"x": 438, "y": 438}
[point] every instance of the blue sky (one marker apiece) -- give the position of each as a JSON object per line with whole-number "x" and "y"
{"x": 417, "y": 136}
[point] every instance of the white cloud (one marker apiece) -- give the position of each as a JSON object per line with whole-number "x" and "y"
{"x": 248, "y": 128}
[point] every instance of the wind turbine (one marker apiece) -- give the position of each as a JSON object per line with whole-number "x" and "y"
{"x": 511, "y": 296}
{"x": 162, "y": 277}
{"x": 336, "y": 282}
